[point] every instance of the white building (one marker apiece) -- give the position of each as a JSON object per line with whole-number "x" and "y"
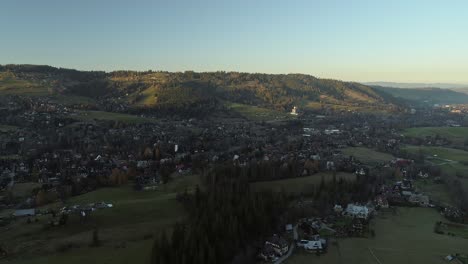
{"x": 294, "y": 111}
{"x": 357, "y": 211}
{"x": 316, "y": 244}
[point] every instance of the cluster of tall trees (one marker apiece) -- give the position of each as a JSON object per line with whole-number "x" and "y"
{"x": 224, "y": 218}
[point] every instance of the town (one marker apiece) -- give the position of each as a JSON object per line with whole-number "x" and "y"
{"x": 67, "y": 170}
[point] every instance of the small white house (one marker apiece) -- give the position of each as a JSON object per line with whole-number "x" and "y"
{"x": 312, "y": 245}
{"x": 294, "y": 111}
{"x": 357, "y": 211}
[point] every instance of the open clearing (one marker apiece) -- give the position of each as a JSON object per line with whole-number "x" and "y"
{"x": 440, "y": 152}
{"x": 405, "y": 238}
{"x": 300, "y": 184}
{"x": 367, "y": 155}
{"x": 450, "y": 160}
{"x": 13, "y": 86}
{"x": 125, "y": 231}
{"x": 455, "y": 229}
{"x": 438, "y": 192}
{"x": 458, "y": 135}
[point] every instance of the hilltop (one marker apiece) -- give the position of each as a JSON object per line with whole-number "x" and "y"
{"x": 191, "y": 91}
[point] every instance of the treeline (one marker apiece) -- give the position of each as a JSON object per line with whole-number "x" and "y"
{"x": 224, "y": 217}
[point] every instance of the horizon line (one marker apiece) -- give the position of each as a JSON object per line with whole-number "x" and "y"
{"x": 239, "y": 71}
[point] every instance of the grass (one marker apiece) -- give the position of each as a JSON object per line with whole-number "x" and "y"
{"x": 10, "y": 85}
{"x": 450, "y": 162}
{"x": 146, "y": 97}
{"x": 407, "y": 237}
{"x": 134, "y": 219}
{"x": 366, "y": 155}
{"x": 256, "y": 113}
{"x": 13, "y": 86}
{"x": 110, "y": 116}
{"x": 300, "y": 184}
{"x": 448, "y": 159}
{"x": 458, "y": 135}
{"x": 24, "y": 189}
{"x": 456, "y": 229}
{"x": 438, "y": 192}
{"x": 133, "y": 252}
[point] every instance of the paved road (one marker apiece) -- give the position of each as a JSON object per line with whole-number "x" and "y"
{"x": 291, "y": 247}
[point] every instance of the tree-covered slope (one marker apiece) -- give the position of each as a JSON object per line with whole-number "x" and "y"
{"x": 192, "y": 90}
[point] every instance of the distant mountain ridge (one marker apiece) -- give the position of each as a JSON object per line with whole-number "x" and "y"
{"x": 427, "y": 95}
{"x": 417, "y": 85}
{"x": 194, "y": 90}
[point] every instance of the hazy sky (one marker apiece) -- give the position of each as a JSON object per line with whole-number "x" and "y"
{"x": 388, "y": 40}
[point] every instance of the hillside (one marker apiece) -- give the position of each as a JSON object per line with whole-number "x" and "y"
{"x": 191, "y": 91}
{"x": 429, "y": 95}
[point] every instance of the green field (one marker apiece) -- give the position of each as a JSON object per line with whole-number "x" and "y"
{"x": 451, "y": 161}
{"x": 126, "y": 230}
{"x": 131, "y": 252}
{"x": 458, "y": 135}
{"x": 438, "y": 192}
{"x": 448, "y": 159}
{"x": 13, "y": 86}
{"x": 109, "y": 116}
{"x": 300, "y": 184}
{"x": 258, "y": 113}
{"x": 405, "y": 238}
{"x": 367, "y": 155}
{"x": 455, "y": 229}
{"x": 24, "y": 189}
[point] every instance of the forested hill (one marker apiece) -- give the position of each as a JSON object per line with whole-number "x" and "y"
{"x": 166, "y": 90}
{"x": 428, "y": 95}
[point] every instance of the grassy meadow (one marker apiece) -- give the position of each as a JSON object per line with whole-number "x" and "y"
{"x": 411, "y": 240}
{"x": 367, "y": 155}
{"x": 450, "y": 161}
{"x": 125, "y": 231}
{"x": 458, "y": 135}
{"x": 9, "y": 85}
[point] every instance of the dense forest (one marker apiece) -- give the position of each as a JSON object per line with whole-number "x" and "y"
{"x": 225, "y": 218}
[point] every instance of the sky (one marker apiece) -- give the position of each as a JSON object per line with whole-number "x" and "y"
{"x": 353, "y": 40}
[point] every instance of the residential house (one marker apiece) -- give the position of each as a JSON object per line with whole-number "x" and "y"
{"x": 279, "y": 244}
{"x": 357, "y": 211}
